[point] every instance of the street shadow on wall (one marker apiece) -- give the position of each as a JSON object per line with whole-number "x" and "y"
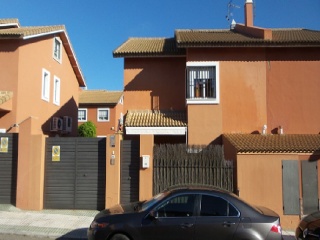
{"x": 70, "y": 108}
{"x": 162, "y": 82}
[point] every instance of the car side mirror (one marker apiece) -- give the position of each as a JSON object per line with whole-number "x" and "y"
{"x": 154, "y": 215}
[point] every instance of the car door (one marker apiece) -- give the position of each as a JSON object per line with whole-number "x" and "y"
{"x": 173, "y": 219}
{"x": 217, "y": 219}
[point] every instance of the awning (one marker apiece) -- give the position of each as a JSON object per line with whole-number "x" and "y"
{"x": 156, "y": 122}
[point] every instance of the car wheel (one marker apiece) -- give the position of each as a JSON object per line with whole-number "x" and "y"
{"x": 119, "y": 237}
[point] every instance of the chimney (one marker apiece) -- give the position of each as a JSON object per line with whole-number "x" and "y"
{"x": 248, "y": 13}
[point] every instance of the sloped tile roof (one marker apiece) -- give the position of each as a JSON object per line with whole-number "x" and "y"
{"x": 5, "y": 96}
{"x": 153, "y": 118}
{"x": 275, "y": 143}
{"x": 11, "y": 29}
{"x": 99, "y": 97}
{"x": 148, "y": 47}
{"x": 280, "y": 37}
{"x": 9, "y": 22}
{"x": 144, "y": 47}
{"x": 29, "y": 31}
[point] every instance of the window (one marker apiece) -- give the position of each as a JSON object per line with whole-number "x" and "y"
{"x": 202, "y": 82}
{"x": 217, "y": 207}
{"x": 56, "y": 91}
{"x": 82, "y": 114}
{"x": 179, "y": 206}
{"x": 45, "y": 94}
{"x": 103, "y": 115}
{"x": 57, "y": 51}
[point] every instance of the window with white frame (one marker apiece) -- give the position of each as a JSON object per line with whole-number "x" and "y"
{"x": 103, "y": 114}
{"x": 82, "y": 114}
{"x": 56, "y": 90}
{"x": 57, "y": 49}
{"x": 202, "y": 82}
{"x": 45, "y": 91}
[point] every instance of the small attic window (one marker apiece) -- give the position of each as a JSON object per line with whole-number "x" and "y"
{"x": 57, "y": 49}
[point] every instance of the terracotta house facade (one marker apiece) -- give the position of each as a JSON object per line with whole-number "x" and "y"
{"x": 40, "y": 81}
{"x": 227, "y": 87}
{"x": 103, "y": 108}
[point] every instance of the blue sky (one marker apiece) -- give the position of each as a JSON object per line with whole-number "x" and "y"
{"x": 97, "y": 27}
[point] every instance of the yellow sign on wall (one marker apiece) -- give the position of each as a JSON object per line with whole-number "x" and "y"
{"x": 4, "y": 144}
{"x": 55, "y": 153}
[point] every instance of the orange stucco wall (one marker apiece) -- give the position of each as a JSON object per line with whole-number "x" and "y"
{"x": 104, "y": 128}
{"x": 22, "y": 74}
{"x": 259, "y": 86}
{"x": 9, "y": 56}
{"x": 21, "y": 67}
{"x": 154, "y": 83}
{"x": 260, "y": 181}
{"x": 243, "y": 104}
{"x": 293, "y": 90}
{"x": 146, "y": 174}
{"x": 113, "y": 171}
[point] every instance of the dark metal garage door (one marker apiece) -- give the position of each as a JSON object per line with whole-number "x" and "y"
{"x": 130, "y": 166}
{"x": 75, "y": 173}
{"x": 8, "y": 167}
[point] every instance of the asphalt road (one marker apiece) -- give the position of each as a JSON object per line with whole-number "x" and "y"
{"x": 22, "y": 237}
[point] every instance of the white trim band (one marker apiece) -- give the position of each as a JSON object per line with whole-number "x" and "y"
{"x": 156, "y": 130}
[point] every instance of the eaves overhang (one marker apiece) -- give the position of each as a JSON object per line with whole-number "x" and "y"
{"x": 156, "y": 122}
{"x": 26, "y": 33}
{"x": 156, "y": 130}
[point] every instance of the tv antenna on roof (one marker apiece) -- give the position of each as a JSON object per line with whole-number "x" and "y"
{"x": 229, "y": 16}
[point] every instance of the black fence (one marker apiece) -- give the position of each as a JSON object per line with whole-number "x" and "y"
{"x": 196, "y": 165}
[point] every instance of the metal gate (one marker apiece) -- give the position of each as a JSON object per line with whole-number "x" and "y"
{"x": 8, "y": 167}
{"x": 75, "y": 173}
{"x": 130, "y": 166}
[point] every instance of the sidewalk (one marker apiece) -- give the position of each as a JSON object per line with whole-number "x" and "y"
{"x": 55, "y": 224}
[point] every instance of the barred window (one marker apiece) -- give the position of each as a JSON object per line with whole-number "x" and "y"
{"x": 202, "y": 83}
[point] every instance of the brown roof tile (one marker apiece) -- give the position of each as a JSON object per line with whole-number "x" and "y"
{"x": 5, "y": 96}
{"x": 275, "y": 143}
{"x": 144, "y": 47}
{"x": 153, "y": 118}
{"x": 216, "y": 38}
{"x": 9, "y": 22}
{"x": 148, "y": 47}
{"x": 99, "y": 97}
{"x": 29, "y": 31}
{"x": 11, "y": 29}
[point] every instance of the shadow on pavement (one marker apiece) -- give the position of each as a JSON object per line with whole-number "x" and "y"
{"x": 80, "y": 233}
{"x": 288, "y": 237}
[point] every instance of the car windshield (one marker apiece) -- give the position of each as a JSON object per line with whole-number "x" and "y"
{"x": 147, "y": 204}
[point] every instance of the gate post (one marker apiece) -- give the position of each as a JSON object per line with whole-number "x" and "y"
{"x": 30, "y": 175}
{"x": 146, "y": 174}
{"x": 113, "y": 169}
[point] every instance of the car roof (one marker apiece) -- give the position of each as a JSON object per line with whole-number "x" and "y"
{"x": 195, "y": 188}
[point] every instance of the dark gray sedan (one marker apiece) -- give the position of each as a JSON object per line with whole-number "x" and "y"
{"x": 190, "y": 213}
{"x": 309, "y": 227}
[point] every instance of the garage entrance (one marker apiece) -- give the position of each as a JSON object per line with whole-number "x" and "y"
{"x": 75, "y": 173}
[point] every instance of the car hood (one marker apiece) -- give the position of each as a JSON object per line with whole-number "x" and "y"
{"x": 120, "y": 209}
{"x": 311, "y": 221}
